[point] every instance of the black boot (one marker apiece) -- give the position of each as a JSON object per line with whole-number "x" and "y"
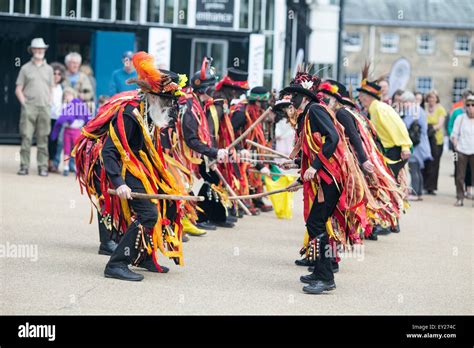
{"x": 206, "y": 225}
{"x": 149, "y": 265}
{"x": 117, "y": 267}
{"x": 304, "y": 262}
{"x": 308, "y": 279}
{"x": 319, "y": 286}
{"x": 380, "y": 231}
{"x": 107, "y": 245}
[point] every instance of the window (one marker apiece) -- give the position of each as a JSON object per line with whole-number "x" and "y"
{"x": 71, "y": 8}
{"x": 424, "y": 84}
{"x": 105, "y": 9}
{"x": 4, "y": 5}
{"x": 462, "y": 45}
{"x": 56, "y": 8}
{"x": 257, "y": 15}
{"x": 86, "y": 9}
{"x": 460, "y": 84}
{"x": 183, "y": 12}
{"x": 135, "y": 11}
{"x": 169, "y": 11}
{"x": 352, "y": 41}
{"x": 325, "y": 71}
{"x": 19, "y": 6}
{"x": 269, "y": 15}
{"x": 425, "y": 44}
{"x": 352, "y": 81}
{"x": 153, "y": 11}
{"x": 389, "y": 42}
{"x": 120, "y": 10}
{"x": 244, "y": 14}
{"x": 35, "y": 7}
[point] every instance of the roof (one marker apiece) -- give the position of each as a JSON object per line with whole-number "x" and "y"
{"x": 449, "y": 14}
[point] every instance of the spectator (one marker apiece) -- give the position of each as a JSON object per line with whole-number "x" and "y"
{"x": 102, "y": 100}
{"x": 463, "y": 141}
{"x": 420, "y": 99}
{"x": 59, "y": 71}
{"x": 86, "y": 69}
{"x": 79, "y": 81}
{"x": 417, "y": 125}
{"x": 120, "y": 76}
{"x": 396, "y": 99}
{"x": 34, "y": 87}
{"x": 436, "y": 115}
{"x": 74, "y": 116}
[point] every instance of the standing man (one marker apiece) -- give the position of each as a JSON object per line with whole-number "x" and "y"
{"x": 77, "y": 79}
{"x": 391, "y": 131}
{"x": 34, "y": 90}
{"x": 120, "y": 76}
{"x": 321, "y": 174}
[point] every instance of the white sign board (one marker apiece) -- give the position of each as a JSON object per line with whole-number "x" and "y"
{"x": 399, "y": 75}
{"x": 159, "y": 45}
{"x": 256, "y": 59}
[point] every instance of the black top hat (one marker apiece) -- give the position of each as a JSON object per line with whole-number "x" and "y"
{"x": 204, "y": 78}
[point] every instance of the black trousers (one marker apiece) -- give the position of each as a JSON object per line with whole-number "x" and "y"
{"x": 316, "y": 225}
{"x": 52, "y": 144}
{"x": 431, "y": 170}
{"x": 213, "y": 209}
{"x": 146, "y": 214}
{"x": 394, "y": 153}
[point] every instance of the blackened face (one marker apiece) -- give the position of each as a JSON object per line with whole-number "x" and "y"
{"x": 297, "y": 99}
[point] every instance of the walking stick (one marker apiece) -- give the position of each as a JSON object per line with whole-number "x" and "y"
{"x": 138, "y": 195}
{"x": 231, "y": 191}
{"x": 266, "y": 148}
{"x": 271, "y": 174}
{"x": 264, "y": 194}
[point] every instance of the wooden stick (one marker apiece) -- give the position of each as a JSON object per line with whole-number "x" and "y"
{"x": 231, "y": 191}
{"x": 266, "y": 148}
{"x": 264, "y": 161}
{"x": 271, "y": 174}
{"x": 268, "y": 155}
{"x": 138, "y": 195}
{"x": 264, "y": 194}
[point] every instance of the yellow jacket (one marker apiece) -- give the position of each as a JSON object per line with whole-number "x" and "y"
{"x": 389, "y": 126}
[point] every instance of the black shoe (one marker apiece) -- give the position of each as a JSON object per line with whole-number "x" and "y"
{"x": 380, "y": 231}
{"x": 232, "y": 218}
{"x": 43, "y": 171}
{"x": 149, "y": 265}
{"x": 304, "y": 263}
{"x": 122, "y": 272}
{"x": 23, "y": 171}
{"x": 308, "y": 279}
{"x": 395, "y": 229}
{"x": 206, "y": 225}
{"x": 373, "y": 235}
{"x": 107, "y": 248}
{"x": 225, "y": 224}
{"x": 319, "y": 286}
{"x": 431, "y": 192}
{"x": 311, "y": 269}
{"x": 335, "y": 267}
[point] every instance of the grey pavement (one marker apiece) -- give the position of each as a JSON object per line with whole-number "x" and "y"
{"x": 426, "y": 269}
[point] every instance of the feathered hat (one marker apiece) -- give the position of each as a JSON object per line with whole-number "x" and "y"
{"x": 204, "y": 78}
{"x": 338, "y": 91}
{"x": 369, "y": 87}
{"x": 304, "y": 83}
{"x": 156, "y": 81}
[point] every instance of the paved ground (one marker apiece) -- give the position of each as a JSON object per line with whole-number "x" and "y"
{"x": 426, "y": 269}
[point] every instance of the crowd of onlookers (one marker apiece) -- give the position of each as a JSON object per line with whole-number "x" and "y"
{"x": 56, "y": 101}
{"x": 430, "y": 126}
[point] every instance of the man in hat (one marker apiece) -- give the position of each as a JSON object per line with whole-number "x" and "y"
{"x": 121, "y": 147}
{"x": 120, "y": 76}
{"x": 391, "y": 131}
{"x": 34, "y": 90}
{"x": 227, "y": 96}
{"x": 243, "y": 115}
{"x": 321, "y": 175}
{"x": 198, "y": 131}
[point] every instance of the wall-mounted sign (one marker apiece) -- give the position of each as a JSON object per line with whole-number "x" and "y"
{"x": 215, "y": 13}
{"x": 159, "y": 45}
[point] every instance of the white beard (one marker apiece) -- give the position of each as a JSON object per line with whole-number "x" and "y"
{"x": 158, "y": 113}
